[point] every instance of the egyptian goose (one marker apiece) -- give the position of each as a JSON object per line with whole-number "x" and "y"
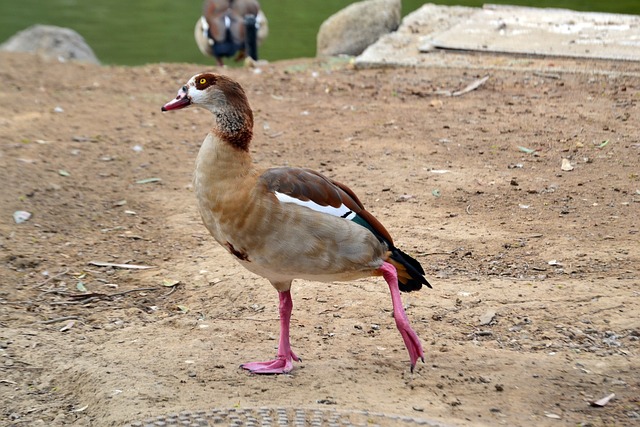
{"x": 286, "y": 223}
{"x": 230, "y": 27}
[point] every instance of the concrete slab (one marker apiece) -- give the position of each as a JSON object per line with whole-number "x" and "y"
{"x": 402, "y": 47}
{"x": 549, "y": 32}
{"x": 414, "y": 44}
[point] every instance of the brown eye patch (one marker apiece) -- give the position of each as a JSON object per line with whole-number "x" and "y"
{"x": 203, "y": 81}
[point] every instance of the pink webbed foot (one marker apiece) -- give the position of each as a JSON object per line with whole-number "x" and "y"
{"x": 280, "y": 365}
{"x": 411, "y": 341}
{"x": 284, "y": 362}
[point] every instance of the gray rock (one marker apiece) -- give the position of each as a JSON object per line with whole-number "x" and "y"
{"x": 51, "y": 42}
{"x": 351, "y": 30}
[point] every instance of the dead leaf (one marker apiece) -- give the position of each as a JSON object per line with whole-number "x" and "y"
{"x": 68, "y": 326}
{"x": 473, "y": 86}
{"x": 170, "y": 283}
{"x": 566, "y": 165}
{"x": 21, "y": 216}
{"x": 526, "y": 150}
{"x": 602, "y": 402}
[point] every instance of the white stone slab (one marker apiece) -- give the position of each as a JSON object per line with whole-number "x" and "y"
{"x": 548, "y": 32}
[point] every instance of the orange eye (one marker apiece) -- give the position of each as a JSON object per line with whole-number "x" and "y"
{"x": 203, "y": 81}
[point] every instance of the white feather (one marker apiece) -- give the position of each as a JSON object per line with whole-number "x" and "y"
{"x": 341, "y": 211}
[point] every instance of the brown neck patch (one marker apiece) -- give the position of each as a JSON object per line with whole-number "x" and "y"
{"x": 235, "y": 122}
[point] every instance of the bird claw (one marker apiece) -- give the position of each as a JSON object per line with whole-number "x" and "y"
{"x": 413, "y": 365}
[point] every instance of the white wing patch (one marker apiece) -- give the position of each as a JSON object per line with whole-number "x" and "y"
{"x": 341, "y": 211}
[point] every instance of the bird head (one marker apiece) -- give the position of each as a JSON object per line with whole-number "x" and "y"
{"x": 211, "y": 91}
{"x": 225, "y": 98}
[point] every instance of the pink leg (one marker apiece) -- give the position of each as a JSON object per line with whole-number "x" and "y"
{"x": 284, "y": 362}
{"x": 409, "y": 336}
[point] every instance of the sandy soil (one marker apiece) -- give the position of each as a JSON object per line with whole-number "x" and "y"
{"x": 535, "y": 308}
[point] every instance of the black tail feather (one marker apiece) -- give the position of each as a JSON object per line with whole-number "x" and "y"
{"x": 413, "y": 268}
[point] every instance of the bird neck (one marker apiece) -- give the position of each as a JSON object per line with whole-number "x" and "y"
{"x": 233, "y": 120}
{"x": 222, "y": 170}
{"x": 220, "y": 161}
{"x": 235, "y": 129}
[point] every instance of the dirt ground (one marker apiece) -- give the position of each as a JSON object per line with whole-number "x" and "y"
{"x": 535, "y": 308}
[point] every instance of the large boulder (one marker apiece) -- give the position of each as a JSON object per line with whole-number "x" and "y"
{"x": 51, "y": 42}
{"x": 351, "y": 30}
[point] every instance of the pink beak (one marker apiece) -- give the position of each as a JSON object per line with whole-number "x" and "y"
{"x": 181, "y": 101}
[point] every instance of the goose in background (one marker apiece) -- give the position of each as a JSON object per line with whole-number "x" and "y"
{"x": 230, "y": 28}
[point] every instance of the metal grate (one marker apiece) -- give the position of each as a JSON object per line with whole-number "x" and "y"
{"x": 281, "y": 417}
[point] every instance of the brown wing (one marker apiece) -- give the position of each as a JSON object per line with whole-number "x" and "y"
{"x": 377, "y": 225}
{"x": 308, "y": 185}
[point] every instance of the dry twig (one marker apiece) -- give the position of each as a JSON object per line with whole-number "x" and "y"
{"x": 58, "y": 319}
{"x": 66, "y": 270}
{"x": 124, "y": 265}
{"x": 94, "y": 296}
